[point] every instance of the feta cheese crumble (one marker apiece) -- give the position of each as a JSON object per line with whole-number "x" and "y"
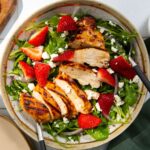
{"x": 52, "y": 64}
{"x": 75, "y": 19}
{"x": 53, "y": 56}
{"x": 66, "y": 46}
{"x": 94, "y": 70}
{"x": 64, "y": 34}
{"x": 98, "y": 107}
{"x": 112, "y": 41}
{"x": 136, "y": 79}
{"x": 24, "y": 91}
{"x": 65, "y": 120}
{"x": 92, "y": 94}
{"x": 121, "y": 84}
{"x": 31, "y": 86}
{"x": 118, "y": 100}
{"x": 114, "y": 49}
{"x": 45, "y": 55}
{"x": 110, "y": 70}
{"x": 60, "y": 50}
{"x": 111, "y": 23}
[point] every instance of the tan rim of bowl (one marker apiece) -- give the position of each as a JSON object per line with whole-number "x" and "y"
{"x": 144, "y": 63}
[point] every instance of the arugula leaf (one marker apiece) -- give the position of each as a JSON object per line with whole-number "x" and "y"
{"x": 99, "y": 133}
{"x": 15, "y": 88}
{"x": 105, "y": 88}
{"x": 54, "y": 42}
{"x": 16, "y": 71}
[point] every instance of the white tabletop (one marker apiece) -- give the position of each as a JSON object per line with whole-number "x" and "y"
{"x": 137, "y": 11}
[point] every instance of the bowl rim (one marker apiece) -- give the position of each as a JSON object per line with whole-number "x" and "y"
{"x": 49, "y": 7}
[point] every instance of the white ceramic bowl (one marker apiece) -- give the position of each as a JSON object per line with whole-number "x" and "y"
{"x": 98, "y": 10}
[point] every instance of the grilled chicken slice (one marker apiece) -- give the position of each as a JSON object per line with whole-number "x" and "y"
{"x": 91, "y": 56}
{"x": 53, "y": 112}
{"x": 76, "y": 95}
{"x": 88, "y": 36}
{"x": 53, "y": 87}
{"x": 35, "y": 108}
{"x": 83, "y": 74}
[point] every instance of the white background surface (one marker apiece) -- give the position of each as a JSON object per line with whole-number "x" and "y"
{"x": 137, "y": 11}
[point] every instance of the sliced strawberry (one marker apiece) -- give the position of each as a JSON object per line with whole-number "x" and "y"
{"x": 39, "y": 37}
{"x": 27, "y": 70}
{"x": 121, "y": 66}
{"x": 41, "y": 73}
{"x": 66, "y": 23}
{"x": 106, "y": 101}
{"x": 33, "y": 53}
{"x": 88, "y": 121}
{"x": 106, "y": 77}
{"x": 66, "y": 56}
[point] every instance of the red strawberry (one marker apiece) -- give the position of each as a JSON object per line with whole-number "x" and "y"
{"x": 106, "y": 101}
{"x": 106, "y": 77}
{"x": 88, "y": 121}
{"x": 39, "y": 37}
{"x": 33, "y": 53}
{"x": 121, "y": 66}
{"x": 66, "y": 23}
{"x": 41, "y": 73}
{"x": 27, "y": 70}
{"x": 66, "y": 56}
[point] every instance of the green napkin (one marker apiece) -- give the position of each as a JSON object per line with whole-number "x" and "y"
{"x": 137, "y": 136}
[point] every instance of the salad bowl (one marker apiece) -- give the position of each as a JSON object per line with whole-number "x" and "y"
{"x": 97, "y": 10}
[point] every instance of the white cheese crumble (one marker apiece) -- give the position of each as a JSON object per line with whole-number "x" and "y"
{"x": 118, "y": 100}
{"x": 53, "y": 56}
{"x": 112, "y": 41}
{"x": 40, "y": 48}
{"x": 115, "y": 56}
{"x": 33, "y": 63}
{"x": 111, "y": 23}
{"x": 52, "y": 64}
{"x": 110, "y": 70}
{"x": 57, "y": 125}
{"x": 118, "y": 118}
{"x": 66, "y": 46}
{"x": 92, "y": 94}
{"x": 46, "y": 22}
{"x": 136, "y": 79}
{"x": 60, "y": 50}
{"x": 101, "y": 29}
{"x": 121, "y": 84}
{"x": 114, "y": 49}
{"x": 31, "y": 86}
{"x": 24, "y": 91}
{"x": 64, "y": 34}
{"x": 45, "y": 55}
{"x": 65, "y": 120}
{"x": 98, "y": 107}
{"x": 75, "y": 19}
{"x": 94, "y": 70}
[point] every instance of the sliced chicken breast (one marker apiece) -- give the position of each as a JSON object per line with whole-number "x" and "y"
{"x": 76, "y": 95}
{"x": 83, "y": 74}
{"x": 53, "y": 87}
{"x": 88, "y": 36}
{"x": 53, "y": 112}
{"x": 35, "y": 108}
{"x": 59, "y": 100}
{"x": 92, "y": 56}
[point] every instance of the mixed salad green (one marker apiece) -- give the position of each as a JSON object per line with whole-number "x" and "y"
{"x": 116, "y": 41}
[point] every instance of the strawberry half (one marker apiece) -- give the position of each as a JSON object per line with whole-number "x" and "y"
{"x": 106, "y": 77}
{"x": 28, "y": 71}
{"x": 41, "y": 73}
{"x": 106, "y": 101}
{"x": 88, "y": 121}
{"x": 33, "y": 53}
{"x": 39, "y": 37}
{"x": 66, "y": 23}
{"x": 121, "y": 66}
{"x": 66, "y": 56}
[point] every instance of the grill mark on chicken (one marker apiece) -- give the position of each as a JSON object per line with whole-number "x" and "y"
{"x": 35, "y": 108}
{"x": 87, "y": 35}
{"x": 76, "y": 95}
{"x": 72, "y": 111}
{"x": 83, "y": 74}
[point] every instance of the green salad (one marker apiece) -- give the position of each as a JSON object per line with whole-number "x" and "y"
{"x": 72, "y": 74}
